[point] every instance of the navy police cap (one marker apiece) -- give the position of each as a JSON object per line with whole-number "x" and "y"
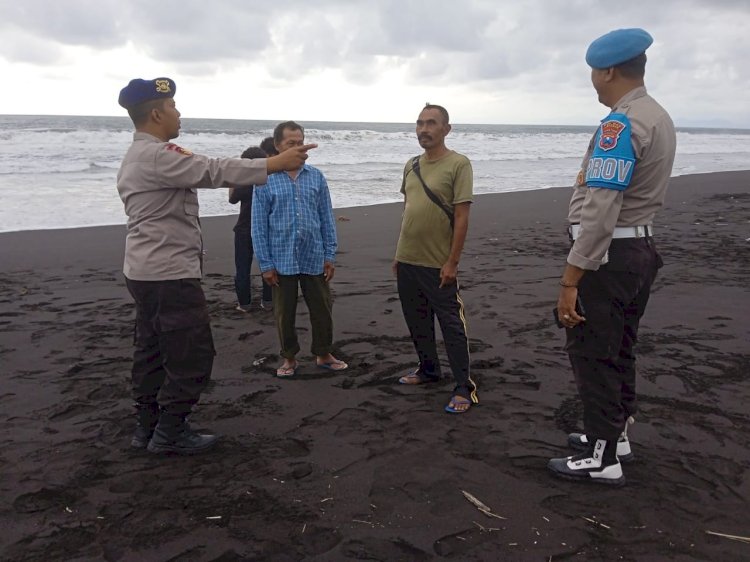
{"x": 618, "y": 46}
{"x": 140, "y": 91}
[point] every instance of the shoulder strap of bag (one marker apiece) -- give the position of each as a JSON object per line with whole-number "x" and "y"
{"x": 434, "y": 198}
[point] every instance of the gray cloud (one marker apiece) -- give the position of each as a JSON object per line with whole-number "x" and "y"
{"x": 188, "y": 32}
{"x": 536, "y": 45}
{"x": 74, "y": 22}
{"x": 416, "y": 26}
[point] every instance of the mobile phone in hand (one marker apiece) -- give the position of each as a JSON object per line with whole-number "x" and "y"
{"x": 557, "y": 318}
{"x": 579, "y": 311}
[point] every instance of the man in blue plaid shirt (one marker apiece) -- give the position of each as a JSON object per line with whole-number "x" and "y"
{"x": 294, "y": 239}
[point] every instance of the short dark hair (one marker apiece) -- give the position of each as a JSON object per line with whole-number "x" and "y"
{"x": 278, "y": 132}
{"x": 139, "y": 113}
{"x": 633, "y": 68}
{"x": 268, "y": 147}
{"x": 440, "y": 108}
{"x": 254, "y": 152}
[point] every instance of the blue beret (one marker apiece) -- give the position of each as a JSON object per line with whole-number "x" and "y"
{"x": 617, "y": 46}
{"x": 139, "y": 91}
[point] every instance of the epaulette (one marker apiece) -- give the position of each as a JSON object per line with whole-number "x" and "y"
{"x": 179, "y": 149}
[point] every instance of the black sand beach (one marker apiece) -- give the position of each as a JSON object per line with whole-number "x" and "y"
{"x": 351, "y": 465}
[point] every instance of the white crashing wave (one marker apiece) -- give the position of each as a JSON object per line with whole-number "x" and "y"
{"x": 61, "y": 171}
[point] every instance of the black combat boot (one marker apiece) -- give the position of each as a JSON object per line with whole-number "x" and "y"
{"x": 598, "y": 464}
{"x": 146, "y": 416}
{"x": 173, "y": 435}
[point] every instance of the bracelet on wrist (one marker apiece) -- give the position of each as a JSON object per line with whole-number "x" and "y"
{"x": 568, "y": 285}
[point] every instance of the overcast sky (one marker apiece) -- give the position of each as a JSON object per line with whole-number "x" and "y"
{"x": 519, "y": 62}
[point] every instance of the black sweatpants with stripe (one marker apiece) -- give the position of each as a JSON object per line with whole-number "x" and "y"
{"x": 422, "y": 300}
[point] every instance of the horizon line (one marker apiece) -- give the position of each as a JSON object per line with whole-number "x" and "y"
{"x": 721, "y": 127}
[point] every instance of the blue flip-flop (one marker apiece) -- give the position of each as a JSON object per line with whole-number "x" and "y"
{"x": 457, "y": 399}
{"x": 330, "y": 366}
{"x": 283, "y": 372}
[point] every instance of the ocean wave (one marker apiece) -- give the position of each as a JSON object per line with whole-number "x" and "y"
{"x": 71, "y": 162}
{"x": 219, "y": 133}
{"x": 65, "y": 168}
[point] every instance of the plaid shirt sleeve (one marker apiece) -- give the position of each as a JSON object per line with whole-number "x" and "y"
{"x": 327, "y": 222}
{"x": 259, "y": 228}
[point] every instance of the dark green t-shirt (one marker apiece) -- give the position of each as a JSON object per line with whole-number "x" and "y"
{"x": 426, "y": 234}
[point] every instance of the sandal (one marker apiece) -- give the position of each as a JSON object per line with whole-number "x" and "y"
{"x": 286, "y": 371}
{"x": 417, "y": 377}
{"x": 458, "y": 405}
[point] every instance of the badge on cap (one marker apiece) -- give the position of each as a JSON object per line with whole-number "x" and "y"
{"x": 163, "y": 86}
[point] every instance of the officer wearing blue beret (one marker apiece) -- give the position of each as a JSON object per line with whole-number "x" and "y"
{"x": 158, "y": 183}
{"x": 139, "y": 91}
{"x": 613, "y": 261}
{"x": 617, "y": 47}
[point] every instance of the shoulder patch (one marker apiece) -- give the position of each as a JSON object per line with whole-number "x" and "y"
{"x": 613, "y": 159}
{"x": 610, "y": 134}
{"x": 580, "y": 178}
{"x": 178, "y": 149}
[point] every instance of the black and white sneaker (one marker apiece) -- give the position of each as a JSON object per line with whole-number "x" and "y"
{"x": 592, "y": 465}
{"x": 581, "y": 442}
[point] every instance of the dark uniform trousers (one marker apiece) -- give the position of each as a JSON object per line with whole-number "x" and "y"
{"x": 601, "y": 350}
{"x": 317, "y": 294}
{"x": 174, "y": 348}
{"x": 421, "y": 300}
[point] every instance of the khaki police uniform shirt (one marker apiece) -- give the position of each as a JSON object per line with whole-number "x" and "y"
{"x": 158, "y": 184}
{"x": 426, "y": 233}
{"x": 599, "y": 210}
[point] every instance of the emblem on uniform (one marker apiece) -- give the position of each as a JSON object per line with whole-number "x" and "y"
{"x": 178, "y": 149}
{"x": 162, "y": 86}
{"x": 610, "y": 134}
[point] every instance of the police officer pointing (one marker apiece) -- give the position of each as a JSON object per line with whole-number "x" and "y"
{"x": 613, "y": 261}
{"x": 158, "y": 184}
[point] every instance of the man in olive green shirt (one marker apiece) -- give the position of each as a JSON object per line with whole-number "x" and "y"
{"x": 437, "y": 190}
